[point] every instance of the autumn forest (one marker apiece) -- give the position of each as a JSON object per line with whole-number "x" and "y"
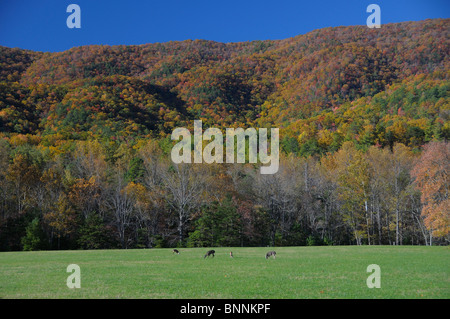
{"x": 85, "y": 142}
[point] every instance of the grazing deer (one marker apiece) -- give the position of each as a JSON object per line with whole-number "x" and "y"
{"x": 175, "y": 251}
{"x": 271, "y": 253}
{"x": 209, "y": 253}
{"x": 231, "y": 254}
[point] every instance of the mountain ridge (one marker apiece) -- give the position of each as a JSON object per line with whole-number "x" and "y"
{"x": 256, "y": 83}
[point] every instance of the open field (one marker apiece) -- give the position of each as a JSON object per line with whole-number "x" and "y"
{"x": 297, "y": 272}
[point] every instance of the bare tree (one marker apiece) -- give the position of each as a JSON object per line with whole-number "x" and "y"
{"x": 120, "y": 204}
{"x": 185, "y": 185}
{"x": 277, "y": 194}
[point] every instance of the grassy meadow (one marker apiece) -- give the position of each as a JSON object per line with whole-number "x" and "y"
{"x": 297, "y": 272}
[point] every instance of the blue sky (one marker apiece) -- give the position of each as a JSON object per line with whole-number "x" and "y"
{"x": 41, "y": 25}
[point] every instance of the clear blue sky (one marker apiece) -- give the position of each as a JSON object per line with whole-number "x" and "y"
{"x": 41, "y": 25}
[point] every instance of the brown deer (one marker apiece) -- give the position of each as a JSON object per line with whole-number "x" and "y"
{"x": 271, "y": 253}
{"x": 209, "y": 253}
{"x": 175, "y": 251}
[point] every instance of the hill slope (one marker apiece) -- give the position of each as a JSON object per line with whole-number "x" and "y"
{"x": 311, "y": 86}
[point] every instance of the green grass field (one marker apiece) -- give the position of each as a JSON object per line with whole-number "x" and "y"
{"x": 297, "y": 272}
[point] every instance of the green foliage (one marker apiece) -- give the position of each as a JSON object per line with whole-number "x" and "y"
{"x": 219, "y": 225}
{"x": 289, "y": 145}
{"x": 34, "y": 238}
{"x": 93, "y": 234}
{"x": 136, "y": 170}
{"x": 310, "y": 241}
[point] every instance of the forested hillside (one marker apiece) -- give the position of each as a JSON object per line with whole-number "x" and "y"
{"x": 364, "y": 128}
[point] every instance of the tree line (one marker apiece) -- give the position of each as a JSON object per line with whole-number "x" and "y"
{"x": 97, "y": 194}
{"x": 363, "y": 119}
